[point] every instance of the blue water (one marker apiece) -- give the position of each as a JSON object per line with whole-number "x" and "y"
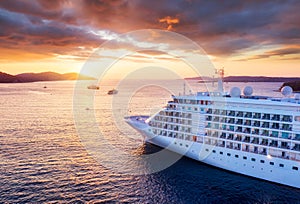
{"x": 43, "y": 158}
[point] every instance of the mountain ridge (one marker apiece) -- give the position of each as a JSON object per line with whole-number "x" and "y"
{"x": 247, "y": 79}
{"x": 42, "y": 76}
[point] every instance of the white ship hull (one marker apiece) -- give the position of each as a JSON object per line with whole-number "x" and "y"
{"x": 247, "y": 163}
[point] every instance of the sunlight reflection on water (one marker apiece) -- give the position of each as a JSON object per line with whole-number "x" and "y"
{"x": 42, "y": 158}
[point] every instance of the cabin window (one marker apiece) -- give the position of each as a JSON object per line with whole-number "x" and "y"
{"x": 281, "y": 165}
{"x": 244, "y": 157}
{"x": 295, "y": 168}
{"x": 221, "y": 152}
{"x": 271, "y": 163}
{"x": 206, "y": 150}
{"x": 262, "y": 161}
{"x": 228, "y": 154}
{"x": 252, "y": 159}
{"x": 214, "y": 151}
{"x": 236, "y": 156}
{"x": 297, "y": 118}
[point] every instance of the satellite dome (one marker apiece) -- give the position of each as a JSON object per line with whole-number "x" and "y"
{"x": 235, "y": 92}
{"x": 248, "y": 91}
{"x": 286, "y": 90}
{"x": 297, "y": 96}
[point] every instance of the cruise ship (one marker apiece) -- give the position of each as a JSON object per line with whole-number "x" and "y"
{"x": 257, "y": 136}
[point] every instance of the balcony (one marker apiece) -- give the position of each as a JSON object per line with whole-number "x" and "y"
{"x": 264, "y": 142}
{"x": 248, "y": 115}
{"x": 257, "y": 116}
{"x": 239, "y": 114}
{"x": 273, "y": 144}
{"x": 266, "y": 117}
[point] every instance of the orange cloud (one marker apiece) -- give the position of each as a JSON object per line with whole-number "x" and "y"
{"x": 169, "y": 21}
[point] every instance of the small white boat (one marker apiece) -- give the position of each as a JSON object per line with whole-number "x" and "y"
{"x": 93, "y": 87}
{"x": 113, "y": 91}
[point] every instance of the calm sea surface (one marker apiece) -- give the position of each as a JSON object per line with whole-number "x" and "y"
{"x": 43, "y": 158}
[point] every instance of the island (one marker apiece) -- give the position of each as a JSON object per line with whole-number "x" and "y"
{"x": 44, "y": 76}
{"x": 246, "y": 79}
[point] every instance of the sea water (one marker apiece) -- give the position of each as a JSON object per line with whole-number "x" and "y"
{"x": 43, "y": 157}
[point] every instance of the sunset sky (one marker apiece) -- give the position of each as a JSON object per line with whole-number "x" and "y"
{"x": 245, "y": 37}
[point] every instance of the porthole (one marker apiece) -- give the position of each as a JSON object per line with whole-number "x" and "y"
{"x": 214, "y": 151}
{"x": 228, "y": 154}
{"x": 281, "y": 165}
{"x": 206, "y": 150}
{"x": 262, "y": 161}
{"x": 271, "y": 163}
{"x": 295, "y": 168}
{"x": 252, "y": 159}
{"x": 236, "y": 156}
{"x": 244, "y": 157}
{"x": 221, "y": 152}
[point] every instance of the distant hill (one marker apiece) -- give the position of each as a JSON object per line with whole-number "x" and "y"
{"x": 259, "y": 79}
{"x": 44, "y": 76}
{"x": 7, "y": 78}
{"x": 248, "y": 79}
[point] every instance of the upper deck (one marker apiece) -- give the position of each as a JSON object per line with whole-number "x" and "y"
{"x": 241, "y": 102}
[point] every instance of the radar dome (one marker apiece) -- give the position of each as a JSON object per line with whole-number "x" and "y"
{"x": 235, "y": 92}
{"x": 297, "y": 96}
{"x": 248, "y": 91}
{"x": 286, "y": 90}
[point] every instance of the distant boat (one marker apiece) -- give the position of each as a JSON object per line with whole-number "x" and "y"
{"x": 113, "y": 91}
{"x": 93, "y": 87}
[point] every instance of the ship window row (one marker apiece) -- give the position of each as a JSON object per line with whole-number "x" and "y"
{"x": 170, "y": 121}
{"x": 174, "y": 114}
{"x": 260, "y": 133}
{"x": 253, "y": 159}
{"x": 180, "y": 133}
{"x": 193, "y": 102}
{"x": 171, "y": 125}
{"x": 263, "y": 150}
{"x": 247, "y": 130}
{"x": 272, "y": 142}
{"x": 255, "y": 115}
{"x": 249, "y": 122}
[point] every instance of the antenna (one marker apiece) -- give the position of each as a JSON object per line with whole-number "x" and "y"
{"x": 221, "y": 73}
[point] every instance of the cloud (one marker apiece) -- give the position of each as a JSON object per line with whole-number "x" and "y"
{"x": 222, "y": 28}
{"x": 169, "y": 21}
{"x": 283, "y": 53}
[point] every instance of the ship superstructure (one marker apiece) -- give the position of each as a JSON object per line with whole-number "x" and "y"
{"x": 253, "y": 135}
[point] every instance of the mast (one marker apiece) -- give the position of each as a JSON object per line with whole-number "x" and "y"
{"x": 220, "y": 79}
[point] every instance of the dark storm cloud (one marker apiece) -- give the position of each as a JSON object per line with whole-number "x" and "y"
{"x": 220, "y": 27}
